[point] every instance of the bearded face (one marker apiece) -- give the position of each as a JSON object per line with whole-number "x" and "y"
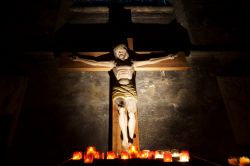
{"x": 121, "y": 52}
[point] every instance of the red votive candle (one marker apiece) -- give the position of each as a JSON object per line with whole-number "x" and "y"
{"x": 167, "y": 157}
{"x": 77, "y": 155}
{"x": 133, "y": 151}
{"x": 124, "y": 155}
{"x": 158, "y": 154}
{"x": 184, "y": 156}
{"x": 111, "y": 155}
{"x": 97, "y": 155}
{"x": 88, "y": 158}
{"x": 151, "y": 155}
{"x": 144, "y": 154}
{"x": 91, "y": 150}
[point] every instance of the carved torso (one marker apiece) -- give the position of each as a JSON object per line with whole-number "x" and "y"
{"x": 123, "y": 71}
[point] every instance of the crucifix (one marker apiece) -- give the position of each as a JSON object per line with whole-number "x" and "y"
{"x": 125, "y": 131}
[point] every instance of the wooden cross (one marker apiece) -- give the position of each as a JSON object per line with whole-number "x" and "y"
{"x": 178, "y": 63}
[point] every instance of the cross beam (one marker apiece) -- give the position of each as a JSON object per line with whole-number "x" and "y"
{"x": 179, "y": 63}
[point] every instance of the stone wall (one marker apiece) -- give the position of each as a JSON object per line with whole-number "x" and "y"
{"x": 63, "y": 112}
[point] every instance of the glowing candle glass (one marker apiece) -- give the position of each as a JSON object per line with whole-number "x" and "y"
{"x": 158, "y": 154}
{"x": 244, "y": 161}
{"x": 151, "y": 155}
{"x": 91, "y": 150}
{"x": 97, "y": 155}
{"x": 90, "y": 154}
{"x": 167, "y": 156}
{"x": 102, "y": 155}
{"x": 133, "y": 151}
{"x": 88, "y": 158}
{"x": 111, "y": 155}
{"x": 144, "y": 154}
{"x": 184, "y": 156}
{"x": 77, "y": 155}
{"x": 124, "y": 155}
{"x": 175, "y": 153}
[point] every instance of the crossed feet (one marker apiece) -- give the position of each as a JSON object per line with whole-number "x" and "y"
{"x": 126, "y": 143}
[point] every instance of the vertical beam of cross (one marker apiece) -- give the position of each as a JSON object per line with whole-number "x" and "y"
{"x": 116, "y": 131}
{"x": 130, "y": 43}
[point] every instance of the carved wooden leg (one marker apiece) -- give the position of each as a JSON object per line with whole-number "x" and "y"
{"x": 116, "y": 131}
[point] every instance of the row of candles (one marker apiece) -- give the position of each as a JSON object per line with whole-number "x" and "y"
{"x": 133, "y": 152}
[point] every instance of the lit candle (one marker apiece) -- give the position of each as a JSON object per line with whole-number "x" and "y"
{"x": 244, "y": 161}
{"x": 90, "y": 154}
{"x": 77, "y": 155}
{"x": 175, "y": 153}
{"x": 158, "y": 154}
{"x": 97, "y": 155}
{"x": 133, "y": 151}
{"x": 151, "y": 155}
{"x": 88, "y": 158}
{"x": 167, "y": 156}
{"x": 232, "y": 160}
{"x": 111, "y": 155}
{"x": 102, "y": 155}
{"x": 91, "y": 150}
{"x": 184, "y": 156}
{"x": 144, "y": 154}
{"x": 124, "y": 155}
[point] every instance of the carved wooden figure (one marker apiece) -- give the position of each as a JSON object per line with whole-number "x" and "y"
{"x": 124, "y": 95}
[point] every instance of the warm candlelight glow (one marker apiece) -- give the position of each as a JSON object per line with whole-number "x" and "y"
{"x": 175, "y": 153}
{"x": 184, "y": 156}
{"x": 133, "y": 148}
{"x": 167, "y": 156}
{"x": 124, "y": 155}
{"x": 90, "y": 154}
{"x": 77, "y": 155}
{"x": 232, "y": 161}
{"x": 97, "y": 155}
{"x": 111, "y": 155}
{"x": 133, "y": 151}
{"x": 244, "y": 161}
{"x": 158, "y": 154}
{"x": 88, "y": 158}
{"x": 144, "y": 154}
{"x": 151, "y": 155}
{"x": 102, "y": 155}
{"x": 91, "y": 150}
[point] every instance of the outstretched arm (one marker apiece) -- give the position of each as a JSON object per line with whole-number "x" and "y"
{"x": 154, "y": 60}
{"x": 93, "y": 62}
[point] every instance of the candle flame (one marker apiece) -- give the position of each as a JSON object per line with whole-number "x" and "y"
{"x": 124, "y": 155}
{"x": 167, "y": 157}
{"x": 77, "y": 155}
{"x": 88, "y": 158}
{"x": 144, "y": 154}
{"x": 111, "y": 155}
{"x": 184, "y": 156}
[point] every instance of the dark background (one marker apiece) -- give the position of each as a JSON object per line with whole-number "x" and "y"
{"x": 47, "y": 113}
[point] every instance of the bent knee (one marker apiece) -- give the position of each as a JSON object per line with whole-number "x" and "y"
{"x": 122, "y": 110}
{"x": 131, "y": 115}
{"x": 131, "y": 106}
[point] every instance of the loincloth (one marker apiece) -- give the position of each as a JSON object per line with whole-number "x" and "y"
{"x": 124, "y": 91}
